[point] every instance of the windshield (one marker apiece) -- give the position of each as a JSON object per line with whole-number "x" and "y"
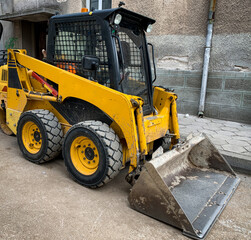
{"x": 130, "y": 49}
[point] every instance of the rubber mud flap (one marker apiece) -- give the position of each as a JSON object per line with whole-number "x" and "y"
{"x": 187, "y": 187}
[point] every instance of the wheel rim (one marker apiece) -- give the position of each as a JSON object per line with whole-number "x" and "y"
{"x": 32, "y": 137}
{"x": 84, "y": 155}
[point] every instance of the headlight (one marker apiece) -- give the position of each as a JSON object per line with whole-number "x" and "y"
{"x": 149, "y": 28}
{"x": 117, "y": 19}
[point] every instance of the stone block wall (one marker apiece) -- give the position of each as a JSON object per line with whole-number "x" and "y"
{"x": 228, "y": 93}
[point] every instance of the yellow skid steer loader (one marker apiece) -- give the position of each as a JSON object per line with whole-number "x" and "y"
{"x": 93, "y": 99}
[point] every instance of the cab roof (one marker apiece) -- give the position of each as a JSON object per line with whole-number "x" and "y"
{"x": 106, "y": 13}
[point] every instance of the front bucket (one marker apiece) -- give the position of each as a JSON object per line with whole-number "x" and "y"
{"x": 187, "y": 187}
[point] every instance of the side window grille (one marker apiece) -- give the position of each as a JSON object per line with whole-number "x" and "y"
{"x": 73, "y": 40}
{"x": 135, "y": 62}
{"x": 135, "y": 82}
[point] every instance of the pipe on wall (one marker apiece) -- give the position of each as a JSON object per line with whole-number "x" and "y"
{"x": 206, "y": 58}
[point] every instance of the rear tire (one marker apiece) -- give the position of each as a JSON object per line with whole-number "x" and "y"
{"x": 39, "y": 135}
{"x": 93, "y": 153}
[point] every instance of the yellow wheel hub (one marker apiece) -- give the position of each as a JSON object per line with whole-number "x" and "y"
{"x": 32, "y": 138}
{"x": 84, "y": 155}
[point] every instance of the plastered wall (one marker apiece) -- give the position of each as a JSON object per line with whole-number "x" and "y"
{"x": 180, "y": 30}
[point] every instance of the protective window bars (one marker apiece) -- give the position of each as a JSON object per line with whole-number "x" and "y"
{"x": 75, "y": 40}
{"x": 135, "y": 79}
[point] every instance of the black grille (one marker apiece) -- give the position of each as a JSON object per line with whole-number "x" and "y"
{"x": 135, "y": 82}
{"x": 74, "y": 40}
{"x": 132, "y": 56}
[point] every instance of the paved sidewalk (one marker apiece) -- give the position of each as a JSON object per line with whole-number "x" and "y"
{"x": 232, "y": 139}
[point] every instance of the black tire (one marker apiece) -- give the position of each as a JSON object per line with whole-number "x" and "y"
{"x": 50, "y": 134}
{"x": 107, "y": 145}
{"x": 164, "y": 142}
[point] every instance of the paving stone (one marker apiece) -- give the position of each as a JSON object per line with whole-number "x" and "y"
{"x": 195, "y": 126}
{"x": 187, "y": 123}
{"x": 232, "y": 124}
{"x": 233, "y": 148}
{"x": 186, "y": 120}
{"x": 222, "y": 136}
{"x": 243, "y": 128}
{"x": 246, "y": 126}
{"x": 218, "y": 121}
{"x": 188, "y": 131}
{"x": 218, "y": 142}
{"x": 200, "y": 124}
{"x": 248, "y": 148}
{"x": 209, "y": 132}
{"x": 231, "y": 129}
{"x": 244, "y": 133}
{"x": 237, "y": 142}
{"x": 247, "y": 139}
{"x": 212, "y": 126}
{"x": 229, "y": 137}
{"x": 219, "y": 147}
{"x": 226, "y": 133}
{"x": 202, "y": 120}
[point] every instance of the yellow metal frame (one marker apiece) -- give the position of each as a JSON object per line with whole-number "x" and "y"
{"x": 137, "y": 132}
{"x": 115, "y": 104}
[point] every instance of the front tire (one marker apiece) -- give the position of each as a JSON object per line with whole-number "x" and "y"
{"x": 93, "y": 153}
{"x": 39, "y": 135}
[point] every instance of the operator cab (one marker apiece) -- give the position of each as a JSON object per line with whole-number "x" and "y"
{"x": 107, "y": 46}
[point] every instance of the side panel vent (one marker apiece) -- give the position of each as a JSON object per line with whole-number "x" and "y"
{"x": 4, "y": 75}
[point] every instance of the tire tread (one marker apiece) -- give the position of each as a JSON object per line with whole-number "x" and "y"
{"x": 113, "y": 147}
{"x": 55, "y": 139}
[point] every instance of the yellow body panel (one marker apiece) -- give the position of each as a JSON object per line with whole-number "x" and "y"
{"x": 156, "y": 126}
{"x": 3, "y": 84}
{"x": 115, "y": 104}
{"x": 3, "y": 99}
{"x": 16, "y": 100}
{"x": 136, "y": 132}
{"x": 12, "y": 117}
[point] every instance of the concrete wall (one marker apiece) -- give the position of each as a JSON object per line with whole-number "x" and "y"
{"x": 72, "y": 6}
{"x": 228, "y": 93}
{"x": 15, "y": 29}
{"x": 180, "y": 30}
{"x": 26, "y": 5}
{"x": 7, "y": 33}
{"x": 6, "y": 7}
